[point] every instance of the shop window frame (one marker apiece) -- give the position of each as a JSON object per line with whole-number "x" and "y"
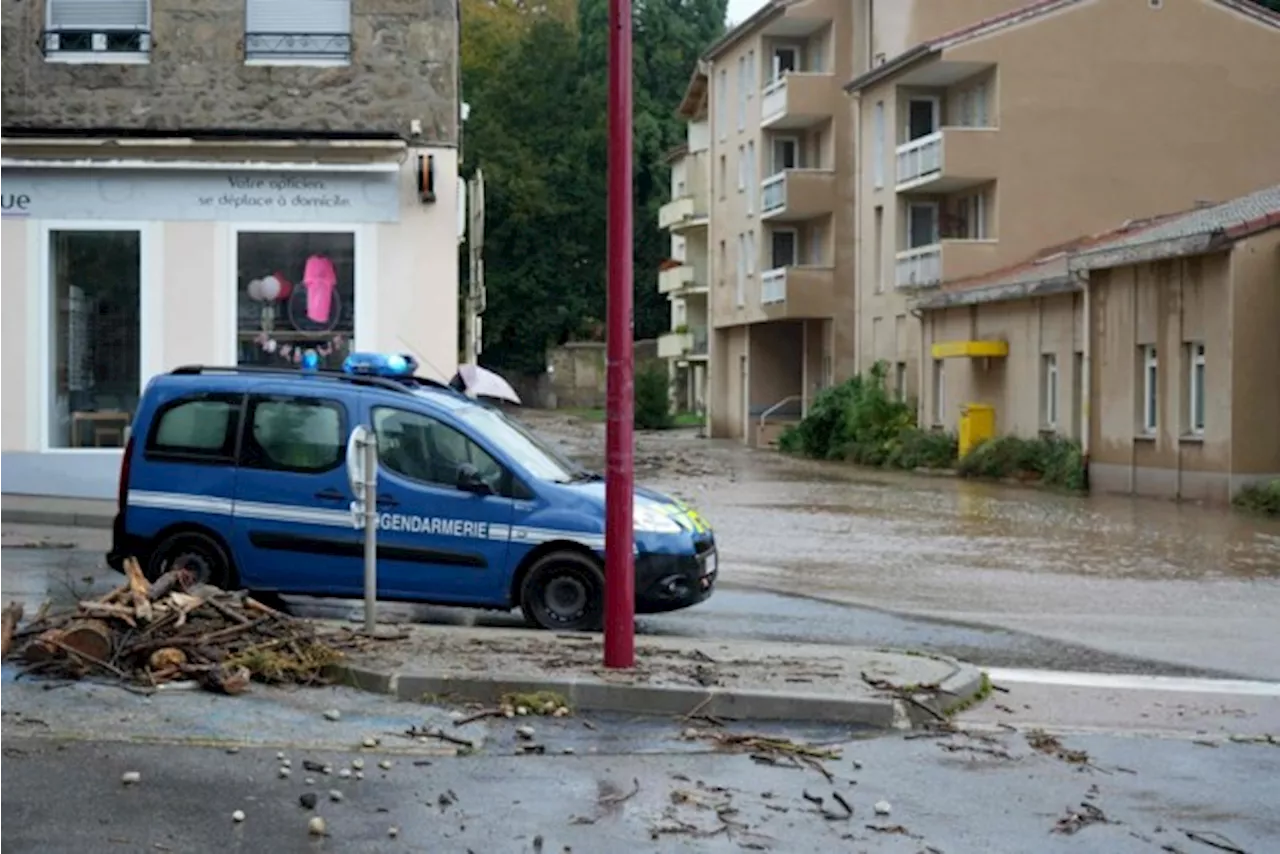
{"x": 41, "y": 319}
{"x": 365, "y": 247}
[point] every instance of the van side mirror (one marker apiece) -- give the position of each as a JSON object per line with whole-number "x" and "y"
{"x": 469, "y": 480}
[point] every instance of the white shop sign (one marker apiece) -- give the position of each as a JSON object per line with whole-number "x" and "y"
{"x": 248, "y": 196}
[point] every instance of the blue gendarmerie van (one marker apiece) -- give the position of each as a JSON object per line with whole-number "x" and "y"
{"x": 241, "y": 475}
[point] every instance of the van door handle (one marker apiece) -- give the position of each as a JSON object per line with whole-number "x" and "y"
{"x": 387, "y": 501}
{"x": 330, "y": 495}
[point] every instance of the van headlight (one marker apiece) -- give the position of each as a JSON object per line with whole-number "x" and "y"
{"x": 651, "y": 520}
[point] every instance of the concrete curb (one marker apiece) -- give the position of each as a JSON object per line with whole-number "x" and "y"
{"x": 19, "y": 516}
{"x": 596, "y": 695}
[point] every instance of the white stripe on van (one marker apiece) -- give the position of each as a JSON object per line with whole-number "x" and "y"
{"x": 305, "y": 515}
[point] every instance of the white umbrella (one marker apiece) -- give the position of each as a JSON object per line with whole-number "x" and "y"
{"x": 476, "y": 381}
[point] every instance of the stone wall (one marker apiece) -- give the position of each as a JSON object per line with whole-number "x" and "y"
{"x": 404, "y": 66}
{"x": 579, "y": 373}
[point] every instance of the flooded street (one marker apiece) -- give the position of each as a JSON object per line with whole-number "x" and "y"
{"x": 1186, "y": 585}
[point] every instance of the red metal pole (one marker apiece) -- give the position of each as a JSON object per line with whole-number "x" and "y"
{"x": 619, "y": 539}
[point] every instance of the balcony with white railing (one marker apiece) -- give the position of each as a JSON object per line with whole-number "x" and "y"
{"x": 920, "y": 267}
{"x": 683, "y": 343}
{"x": 798, "y": 292}
{"x": 677, "y": 279}
{"x": 798, "y": 194}
{"x": 948, "y": 160}
{"x": 798, "y": 99}
{"x": 949, "y": 260}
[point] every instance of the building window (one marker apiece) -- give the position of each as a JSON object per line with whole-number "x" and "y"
{"x": 878, "y": 249}
{"x": 877, "y": 148}
{"x": 721, "y": 98}
{"x": 724, "y": 262}
{"x": 295, "y": 294}
{"x": 900, "y": 381}
{"x": 96, "y": 302}
{"x": 1150, "y": 388}
{"x": 939, "y": 392}
{"x": 1049, "y": 391}
{"x": 724, "y": 175}
{"x": 751, "y": 253}
{"x": 105, "y": 31}
{"x": 742, "y": 93}
{"x": 420, "y": 448}
{"x": 202, "y": 429}
{"x": 753, "y": 177}
{"x": 742, "y": 168}
{"x": 296, "y": 434}
{"x": 1195, "y": 388}
{"x": 741, "y": 296}
{"x": 304, "y": 32}
{"x": 752, "y": 80}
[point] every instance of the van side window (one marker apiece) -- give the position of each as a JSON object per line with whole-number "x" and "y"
{"x": 298, "y": 434}
{"x": 421, "y": 448}
{"x": 199, "y": 429}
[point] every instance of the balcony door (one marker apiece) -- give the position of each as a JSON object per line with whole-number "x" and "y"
{"x": 782, "y": 249}
{"x": 922, "y": 224}
{"x": 924, "y": 116}
{"x": 785, "y": 58}
{"x": 786, "y": 153}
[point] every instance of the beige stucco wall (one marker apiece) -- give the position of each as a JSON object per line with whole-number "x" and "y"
{"x": 1033, "y": 328}
{"x": 1166, "y": 304}
{"x": 406, "y": 301}
{"x": 727, "y": 393}
{"x": 15, "y": 258}
{"x": 1255, "y": 357}
{"x": 1083, "y": 146}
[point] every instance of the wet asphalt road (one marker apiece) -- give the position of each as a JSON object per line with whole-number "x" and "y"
{"x": 34, "y": 574}
{"x": 957, "y": 795}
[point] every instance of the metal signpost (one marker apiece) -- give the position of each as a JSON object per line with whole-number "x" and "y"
{"x": 619, "y": 578}
{"x": 362, "y": 472}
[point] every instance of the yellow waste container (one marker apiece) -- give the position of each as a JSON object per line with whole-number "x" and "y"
{"x": 977, "y": 424}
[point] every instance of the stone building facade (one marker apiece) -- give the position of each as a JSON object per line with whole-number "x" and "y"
{"x": 229, "y": 182}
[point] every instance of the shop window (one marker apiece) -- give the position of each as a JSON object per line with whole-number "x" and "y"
{"x": 200, "y": 429}
{"x": 96, "y": 300}
{"x": 420, "y": 448}
{"x": 298, "y": 31}
{"x": 298, "y": 434}
{"x": 295, "y": 293}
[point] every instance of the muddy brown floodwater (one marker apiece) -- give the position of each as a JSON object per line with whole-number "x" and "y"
{"x": 1194, "y": 585}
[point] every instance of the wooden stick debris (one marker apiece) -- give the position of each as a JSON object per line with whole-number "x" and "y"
{"x": 147, "y": 634}
{"x": 12, "y": 616}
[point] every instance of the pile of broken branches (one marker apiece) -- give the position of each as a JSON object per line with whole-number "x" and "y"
{"x": 145, "y": 633}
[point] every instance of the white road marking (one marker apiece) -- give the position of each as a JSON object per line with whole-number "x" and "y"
{"x": 1126, "y": 682}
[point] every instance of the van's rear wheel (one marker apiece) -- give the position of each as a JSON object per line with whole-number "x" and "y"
{"x": 564, "y": 591}
{"x": 199, "y": 553}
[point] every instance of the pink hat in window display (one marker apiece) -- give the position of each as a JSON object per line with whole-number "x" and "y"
{"x": 320, "y": 279}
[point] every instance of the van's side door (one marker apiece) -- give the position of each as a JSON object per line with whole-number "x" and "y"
{"x": 293, "y": 523}
{"x": 437, "y": 542}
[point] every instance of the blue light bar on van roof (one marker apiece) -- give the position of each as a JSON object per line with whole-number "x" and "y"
{"x": 380, "y": 364}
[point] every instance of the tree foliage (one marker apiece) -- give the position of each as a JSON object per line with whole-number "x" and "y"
{"x": 535, "y": 77}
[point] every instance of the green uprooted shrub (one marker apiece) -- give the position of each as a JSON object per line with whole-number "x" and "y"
{"x": 861, "y": 422}
{"x": 1051, "y": 460}
{"x": 1261, "y": 498}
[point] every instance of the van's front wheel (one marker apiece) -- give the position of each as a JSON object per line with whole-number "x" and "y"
{"x": 563, "y": 591}
{"x": 199, "y": 553}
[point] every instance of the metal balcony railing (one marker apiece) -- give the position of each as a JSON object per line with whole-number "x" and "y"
{"x": 297, "y": 45}
{"x": 919, "y": 157}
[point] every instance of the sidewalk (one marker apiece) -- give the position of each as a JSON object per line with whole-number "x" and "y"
{"x": 45, "y": 510}
{"x": 673, "y": 676}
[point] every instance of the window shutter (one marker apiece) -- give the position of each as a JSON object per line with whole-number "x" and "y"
{"x": 99, "y": 15}
{"x": 293, "y": 17}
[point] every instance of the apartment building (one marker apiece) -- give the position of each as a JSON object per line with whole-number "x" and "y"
{"x": 982, "y": 145}
{"x": 684, "y": 277}
{"x": 1154, "y": 345}
{"x": 781, "y": 283}
{"x": 224, "y": 182}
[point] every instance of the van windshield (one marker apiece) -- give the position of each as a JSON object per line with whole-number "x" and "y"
{"x": 523, "y": 446}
